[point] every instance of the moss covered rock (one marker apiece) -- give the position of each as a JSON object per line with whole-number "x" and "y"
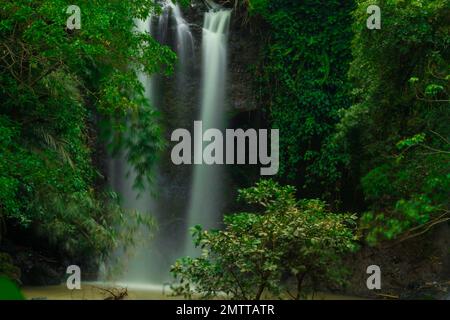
{"x": 8, "y": 269}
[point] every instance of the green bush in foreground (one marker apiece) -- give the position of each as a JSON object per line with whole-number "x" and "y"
{"x": 254, "y": 252}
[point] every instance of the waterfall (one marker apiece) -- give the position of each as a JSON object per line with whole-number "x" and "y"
{"x": 184, "y": 44}
{"x": 205, "y": 203}
{"x": 147, "y": 80}
{"x": 174, "y": 97}
{"x": 122, "y": 177}
{"x": 150, "y": 262}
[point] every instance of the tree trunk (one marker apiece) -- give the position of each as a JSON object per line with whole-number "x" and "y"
{"x": 300, "y": 277}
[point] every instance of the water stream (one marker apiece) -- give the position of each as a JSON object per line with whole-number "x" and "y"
{"x": 207, "y": 184}
{"x": 151, "y": 261}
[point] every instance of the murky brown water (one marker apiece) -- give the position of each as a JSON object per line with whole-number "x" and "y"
{"x": 91, "y": 292}
{"x": 97, "y": 292}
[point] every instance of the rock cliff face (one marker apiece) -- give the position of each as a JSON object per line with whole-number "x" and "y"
{"x": 181, "y": 106}
{"x": 243, "y": 51}
{"x": 415, "y": 269}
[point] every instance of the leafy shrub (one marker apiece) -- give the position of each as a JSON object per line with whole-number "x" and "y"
{"x": 255, "y": 251}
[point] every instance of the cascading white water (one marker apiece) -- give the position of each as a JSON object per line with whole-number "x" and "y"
{"x": 184, "y": 43}
{"x": 151, "y": 260}
{"x": 122, "y": 177}
{"x": 147, "y": 80}
{"x": 205, "y": 203}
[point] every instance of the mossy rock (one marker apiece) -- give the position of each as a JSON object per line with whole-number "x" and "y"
{"x": 8, "y": 269}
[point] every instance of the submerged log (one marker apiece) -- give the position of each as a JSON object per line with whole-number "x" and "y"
{"x": 114, "y": 293}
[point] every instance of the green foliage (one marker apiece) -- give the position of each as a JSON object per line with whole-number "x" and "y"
{"x": 304, "y": 85}
{"x": 255, "y": 250}
{"x": 397, "y": 131}
{"x": 10, "y": 290}
{"x": 54, "y": 86}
